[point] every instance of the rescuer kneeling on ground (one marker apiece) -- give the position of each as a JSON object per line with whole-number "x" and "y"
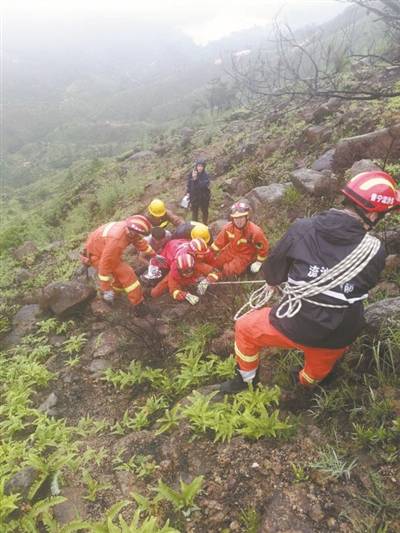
{"x": 321, "y": 312}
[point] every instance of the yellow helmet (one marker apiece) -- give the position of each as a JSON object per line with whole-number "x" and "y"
{"x": 200, "y": 231}
{"x": 157, "y": 208}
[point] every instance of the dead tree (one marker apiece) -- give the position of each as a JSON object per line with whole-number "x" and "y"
{"x": 315, "y": 64}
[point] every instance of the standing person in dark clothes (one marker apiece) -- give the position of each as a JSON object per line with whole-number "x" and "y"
{"x": 324, "y": 323}
{"x": 198, "y": 188}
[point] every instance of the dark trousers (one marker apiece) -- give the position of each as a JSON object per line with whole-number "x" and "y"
{"x": 204, "y": 211}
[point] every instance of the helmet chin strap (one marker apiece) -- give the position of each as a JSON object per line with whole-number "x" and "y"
{"x": 370, "y": 223}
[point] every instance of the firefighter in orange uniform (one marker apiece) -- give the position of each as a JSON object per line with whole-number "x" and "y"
{"x": 240, "y": 243}
{"x": 103, "y": 250}
{"x": 186, "y": 271}
{"x": 323, "y": 326}
{"x": 158, "y": 215}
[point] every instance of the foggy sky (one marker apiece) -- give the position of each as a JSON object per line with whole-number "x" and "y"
{"x": 202, "y": 20}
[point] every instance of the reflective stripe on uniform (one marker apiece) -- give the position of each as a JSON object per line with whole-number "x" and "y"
{"x": 214, "y": 247}
{"x": 307, "y": 378}
{"x": 213, "y": 275}
{"x": 242, "y": 241}
{"x": 230, "y": 235}
{"x": 164, "y": 224}
{"x": 261, "y": 258}
{"x": 148, "y": 249}
{"x": 104, "y": 278}
{"x": 107, "y": 228}
{"x": 245, "y": 358}
{"x": 175, "y": 293}
{"x": 132, "y": 287}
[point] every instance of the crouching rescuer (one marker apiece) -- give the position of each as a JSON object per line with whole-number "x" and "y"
{"x": 324, "y": 266}
{"x": 103, "y": 250}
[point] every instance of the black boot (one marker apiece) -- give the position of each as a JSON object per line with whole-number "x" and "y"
{"x": 236, "y": 384}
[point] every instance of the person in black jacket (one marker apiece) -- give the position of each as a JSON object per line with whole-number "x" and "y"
{"x": 327, "y": 323}
{"x": 198, "y": 188}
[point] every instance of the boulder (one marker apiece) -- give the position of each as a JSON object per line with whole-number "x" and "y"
{"x": 47, "y": 406}
{"x": 384, "y": 143}
{"x": 267, "y": 149}
{"x": 333, "y": 104}
{"x": 22, "y": 481}
{"x": 216, "y": 227}
{"x": 107, "y": 343}
{"x": 23, "y": 274}
{"x": 392, "y": 262}
{"x": 267, "y": 195}
{"x": 64, "y": 296}
{"x": 74, "y": 506}
{"x": 143, "y": 154}
{"x": 387, "y": 288}
{"x": 23, "y": 323}
{"x": 27, "y": 249}
{"x": 321, "y": 112}
{"x": 364, "y": 165}
{"x": 316, "y": 183}
{"x": 383, "y": 313}
{"x": 391, "y": 238}
{"x": 98, "y": 366}
{"x": 325, "y": 162}
{"x": 318, "y": 134}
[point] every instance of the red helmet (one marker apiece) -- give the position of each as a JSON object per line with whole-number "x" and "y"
{"x": 198, "y": 246}
{"x": 138, "y": 224}
{"x": 240, "y": 209}
{"x": 374, "y": 192}
{"x": 185, "y": 263}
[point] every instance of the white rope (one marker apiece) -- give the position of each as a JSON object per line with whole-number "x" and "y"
{"x": 294, "y": 295}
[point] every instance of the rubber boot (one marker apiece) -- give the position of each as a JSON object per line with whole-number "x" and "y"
{"x": 236, "y": 384}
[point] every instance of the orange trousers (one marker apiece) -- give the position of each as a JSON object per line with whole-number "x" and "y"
{"x": 254, "y": 332}
{"x": 125, "y": 280}
{"x": 231, "y": 264}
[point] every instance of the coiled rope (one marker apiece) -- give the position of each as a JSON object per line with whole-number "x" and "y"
{"x": 294, "y": 295}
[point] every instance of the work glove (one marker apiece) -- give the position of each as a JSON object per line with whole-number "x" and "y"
{"x": 192, "y": 299}
{"x": 108, "y": 296}
{"x": 255, "y": 267}
{"x": 153, "y": 272}
{"x": 202, "y": 286}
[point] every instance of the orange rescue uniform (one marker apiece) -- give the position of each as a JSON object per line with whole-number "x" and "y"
{"x": 254, "y": 331}
{"x": 175, "y": 283}
{"x": 238, "y": 248}
{"x": 105, "y": 247}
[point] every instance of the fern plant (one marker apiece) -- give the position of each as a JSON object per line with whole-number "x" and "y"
{"x": 182, "y": 500}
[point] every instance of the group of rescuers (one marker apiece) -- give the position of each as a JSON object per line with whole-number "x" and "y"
{"x": 185, "y": 258}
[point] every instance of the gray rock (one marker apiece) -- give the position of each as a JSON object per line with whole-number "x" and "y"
{"x": 333, "y": 104}
{"x": 106, "y": 343}
{"x": 266, "y": 195}
{"x": 97, "y": 366}
{"x": 63, "y": 296}
{"x": 46, "y": 406}
{"x": 216, "y": 227}
{"x": 143, "y": 154}
{"x": 391, "y": 238}
{"x": 318, "y": 134}
{"x": 316, "y": 183}
{"x": 269, "y": 148}
{"x": 325, "y": 162}
{"x": 23, "y": 323}
{"x": 22, "y": 481}
{"x": 383, "y": 313}
{"x": 23, "y": 274}
{"x": 74, "y": 507}
{"x": 321, "y": 112}
{"x": 364, "y": 165}
{"x": 376, "y": 144}
{"x": 27, "y": 249}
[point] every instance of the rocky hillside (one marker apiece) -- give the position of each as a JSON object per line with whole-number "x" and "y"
{"x": 109, "y": 422}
